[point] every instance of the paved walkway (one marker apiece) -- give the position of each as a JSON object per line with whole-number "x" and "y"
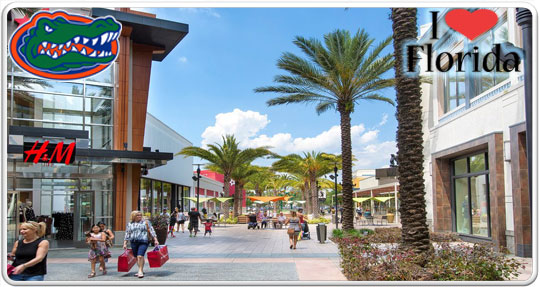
{"x": 231, "y": 253}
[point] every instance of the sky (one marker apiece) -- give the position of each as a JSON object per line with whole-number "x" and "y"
{"x": 205, "y": 87}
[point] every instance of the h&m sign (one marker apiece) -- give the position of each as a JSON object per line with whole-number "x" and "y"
{"x": 49, "y": 153}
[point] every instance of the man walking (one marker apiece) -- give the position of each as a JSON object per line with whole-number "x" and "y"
{"x": 194, "y": 217}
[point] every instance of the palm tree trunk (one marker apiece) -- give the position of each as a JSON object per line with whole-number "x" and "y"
{"x": 314, "y": 197}
{"x": 305, "y": 192}
{"x": 226, "y": 188}
{"x": 415, "y": 232}
{"x": 346, "y": 153}
{"x": 236, "y": 199}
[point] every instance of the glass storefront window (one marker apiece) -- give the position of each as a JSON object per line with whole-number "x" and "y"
{"x": 98, "y": 111}
{"x": 479, "y": 202}
{"x": 100, "y": 136}
{"x": 38, "y": 85}
{"x": 36, "y": 106}
{"x": 104, "y": 76}
{"x": 156, "y": 197}
{"x": 98, "y": 91}
{"x": 478, "y": 163}
{"x": 471, "y": 195}
{"x": 145, "y": 196}
{"x": 462, "y": 206}
{"x": 460, "y": 166}
{"x": 166, "y": 199}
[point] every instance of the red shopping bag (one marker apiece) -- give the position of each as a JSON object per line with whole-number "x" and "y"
{"x": 126, "y": 261}
{"x": 158, "y": 256}
{"x": 10, "y": 269}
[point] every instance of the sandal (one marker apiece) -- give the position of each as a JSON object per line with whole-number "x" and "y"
{"x": 92, "y": 275}
{"x": 140, "y": 275}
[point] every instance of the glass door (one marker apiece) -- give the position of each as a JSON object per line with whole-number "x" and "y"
{"x": 84, "y": 213}
{"x": 12, "y": 218}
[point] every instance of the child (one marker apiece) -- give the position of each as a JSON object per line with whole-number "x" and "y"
{"x": 98, "y": 249}
{"x": 172, "y": 223}
{"x": 208, "y": 227}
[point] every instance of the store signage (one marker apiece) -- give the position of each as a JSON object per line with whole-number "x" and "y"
{"x": 61, "y": 46}
{"x": 471, "y": 25}
{"x": 49, "y": 153}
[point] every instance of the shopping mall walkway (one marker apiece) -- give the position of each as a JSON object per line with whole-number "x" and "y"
{"x": 231, "y": 253}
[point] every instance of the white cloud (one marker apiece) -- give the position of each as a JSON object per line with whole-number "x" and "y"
{"x": 205, "y": 11}
{"x": 242, "y": 124}
{"x": 384, "y": 120}
{"x": 247, "y": 127}
{"x": 182, "y": 59}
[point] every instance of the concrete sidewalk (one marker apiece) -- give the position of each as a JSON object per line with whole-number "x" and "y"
{"x": 231, "y": 253}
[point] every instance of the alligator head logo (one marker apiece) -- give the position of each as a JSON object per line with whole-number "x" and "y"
{"x": 64, "y": 46}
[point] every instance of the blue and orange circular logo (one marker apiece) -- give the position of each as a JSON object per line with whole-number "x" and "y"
{"x": 64, "y": 46}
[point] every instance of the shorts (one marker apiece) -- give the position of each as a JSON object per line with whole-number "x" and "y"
{"x": 192, "y": 226}
{"x": 139, "y": 247}
{"x": 208, "y": 231}
{"x": 181, "y": 221}
{"x": 25, "y": 277}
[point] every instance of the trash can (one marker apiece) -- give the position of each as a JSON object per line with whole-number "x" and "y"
{"x": 321, "y": 232}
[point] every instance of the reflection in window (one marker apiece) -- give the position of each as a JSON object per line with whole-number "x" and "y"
{"x": 39, "y": 85}
{"x": 49, "y": 107}
{"x": 166, "y": 199}
{"x": 97, "y": 91}
{"x": 98, "y": 111}
{"x": 104, "y": 76}
{"x": 156, "y": 197}
{"x": 100, "y": 136}
{"x": 471, "y": 198}
{"x": 454, "y": 89}
{"x": 145, "y": 196}
{"x": 485, "y": 80}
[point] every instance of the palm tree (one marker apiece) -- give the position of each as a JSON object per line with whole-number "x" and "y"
{"x": 227, "y": 156}
{"x": 310, "y": 167}
{"x": 415, "y": 232}
{"x": 258, "y": 180}
{"x": 336, "y": 77}
{"x": 241, "y": 175}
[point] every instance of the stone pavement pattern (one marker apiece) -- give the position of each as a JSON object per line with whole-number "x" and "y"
{"x": 231, "y": 253}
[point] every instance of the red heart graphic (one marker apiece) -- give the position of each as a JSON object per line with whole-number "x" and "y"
{"x": 470, "y": 24}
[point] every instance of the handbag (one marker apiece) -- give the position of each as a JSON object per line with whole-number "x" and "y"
{"x": 10, "y": 269}
{"x": 126, "y": 261}
{"x": 158, "y": 256}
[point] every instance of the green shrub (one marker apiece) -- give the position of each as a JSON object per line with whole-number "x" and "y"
{"x": 318, "y": 220}
{"x": 479, "y": 262}
{"x": 364, "y": 261}
{"x": 232, "y": 220}
{"x": 337, "y": 233}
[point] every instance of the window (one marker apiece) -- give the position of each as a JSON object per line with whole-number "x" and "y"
{"x": 166, "y": 199}
{"x": 80, "y": 105}
{"x": 145, "y": 196}
{"x": 483, "y": 81}
{"x": 454, "y": 89}
{"x": 470, "y": 179}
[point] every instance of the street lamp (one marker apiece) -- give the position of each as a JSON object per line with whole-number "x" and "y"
{"x": 197, "y": 178}
{"x": 334, "y": 177}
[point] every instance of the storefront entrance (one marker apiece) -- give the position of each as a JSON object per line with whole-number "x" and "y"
{"x": 84, "y": 214}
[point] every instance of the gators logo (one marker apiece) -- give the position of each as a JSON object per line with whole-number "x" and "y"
{"x": 64, "y": 46}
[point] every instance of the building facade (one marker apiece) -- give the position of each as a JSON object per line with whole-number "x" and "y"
{"x": 165, "y": 187}
{"x": 104, "y": 115}
{"x": 474, "y": 134}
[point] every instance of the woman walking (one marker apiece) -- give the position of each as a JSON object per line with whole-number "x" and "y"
{"x": 181, "y": 221}
{"x": 138, "y": 233}
{"x": 109, "y": 237}
{"x": 172, "y": 223}
{"x": 98, "y": 250}
{"x": 30, "y": 253}
{"x": 294, "y": 229}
